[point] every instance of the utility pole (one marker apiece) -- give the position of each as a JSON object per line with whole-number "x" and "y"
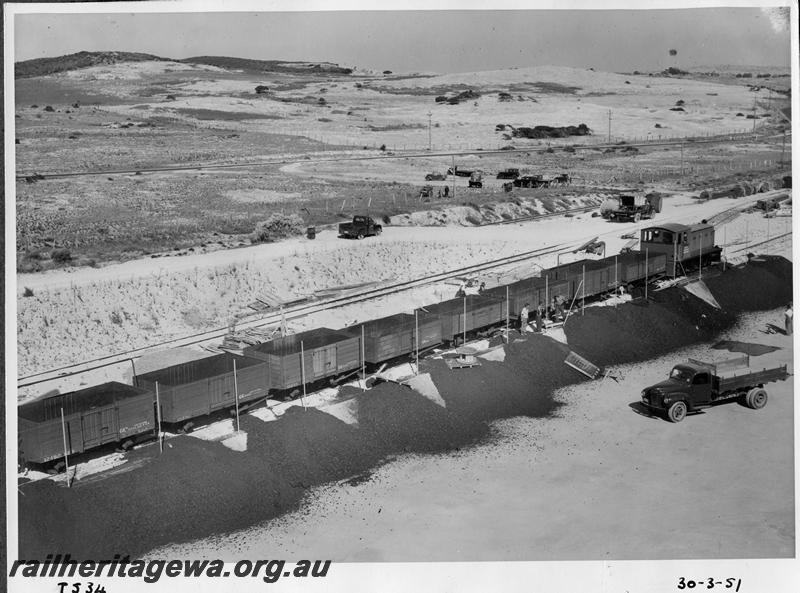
{"x": 609, "y": 126}
{"x": 754, "y": 114}
{"x": 783, "y": 148}
{"x": 454, "y": 177}
{"x": 429, "y": 130}
{"x": 681, "y": 159}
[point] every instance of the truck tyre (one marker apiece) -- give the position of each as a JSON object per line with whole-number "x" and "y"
{"x": 360, "y": 236}
{"x": 637, "y": 217}
{"x": 378, "y": 231}
{"x": 756, "y": 398}
{"x": 677, "y": 412}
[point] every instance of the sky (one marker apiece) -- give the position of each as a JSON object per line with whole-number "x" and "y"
{"x": 424, "y": 41}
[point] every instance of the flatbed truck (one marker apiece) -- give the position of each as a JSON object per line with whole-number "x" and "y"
{"x": 695, "y": 385}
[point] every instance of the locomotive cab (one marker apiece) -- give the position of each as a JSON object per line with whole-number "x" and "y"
{"x": 685, "y": 246}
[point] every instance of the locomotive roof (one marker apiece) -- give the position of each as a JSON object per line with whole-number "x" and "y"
{"x": 47, "y": 408}
{"x": 675, "y": 227}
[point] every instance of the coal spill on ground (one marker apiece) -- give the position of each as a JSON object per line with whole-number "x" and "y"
{"x": 197, "y": 489}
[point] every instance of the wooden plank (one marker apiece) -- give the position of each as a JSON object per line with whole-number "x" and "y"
{"x": 582, "y": 365}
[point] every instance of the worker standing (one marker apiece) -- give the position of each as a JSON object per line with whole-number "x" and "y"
{"x": 539, "y": 318}
{"x": 788, "y": 318}
{"x": 523, "y": 319}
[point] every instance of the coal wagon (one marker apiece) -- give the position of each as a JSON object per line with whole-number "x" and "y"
{"x": 200, "y": 387}
{"x": 108, "y": 413}
{"x": 468, "y": 314}
{"x": 396, "y": 335}
{"x": 307, "y": 357}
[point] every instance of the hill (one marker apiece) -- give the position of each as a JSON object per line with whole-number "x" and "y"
{"x": 259, "y": 66}
{"x": 82, "y": 59}
{"x": 86, "y": 59}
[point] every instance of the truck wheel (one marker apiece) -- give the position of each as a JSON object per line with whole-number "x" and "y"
{"x": 378, "y": 231}
{"x": 756, "y": 398}
{"x": 360, "y": 236}
{"x": 676, "y": 412}
{"x": 637, "y": 217}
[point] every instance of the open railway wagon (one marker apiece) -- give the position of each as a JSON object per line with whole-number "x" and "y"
{"x": 200, "y": 387}
{"x": 586, "y": 278}
{"x": 686, "y": 247}
{"x": 468, "y": 314}
{"x": 108, "y": 413}
{"x": 533, "y": 291}
{"x": 307, "y": 357}
{"x": 395, "y": 336}
{"x": 635, "y": 266}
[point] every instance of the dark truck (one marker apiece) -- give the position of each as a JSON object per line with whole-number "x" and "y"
{"x": 636, "y": 208}
{"x": 362, "y": 226}
{"x": 695, "y": 385}
{"x": 508, "y": 174}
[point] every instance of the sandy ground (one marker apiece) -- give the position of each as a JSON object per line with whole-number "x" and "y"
{"x": 142, "y": 302}
{"x": 598, "y": 482}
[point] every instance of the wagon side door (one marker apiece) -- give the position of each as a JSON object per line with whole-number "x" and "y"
{"x": 99, "y": 426}
{"x": 324, "y": 361}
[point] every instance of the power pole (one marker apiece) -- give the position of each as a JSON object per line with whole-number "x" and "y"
{"x": 681, "y": 159}
{"x": 609, "y": 126}
{"x": 429, "y": 130}
{"x": 783, "y": 148}
{"x": 754, "y": 114}
{"x": 454, "y": 177}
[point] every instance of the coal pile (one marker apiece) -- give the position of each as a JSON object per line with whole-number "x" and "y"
{"x": 762, "y": 284}
{"x": 641, "y": 330}
{"x": 407, "y": 422}
{"x": 519, "y": 386}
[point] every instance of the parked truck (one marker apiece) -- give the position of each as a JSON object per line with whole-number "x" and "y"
{"x": 508, "y": 174}
{"x": 636, "y": 207}
{"x": 362, "y": 226}
{"x": 695, "y": 385}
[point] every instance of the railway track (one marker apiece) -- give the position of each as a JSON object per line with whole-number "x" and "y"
{"x": 289, "y": 313}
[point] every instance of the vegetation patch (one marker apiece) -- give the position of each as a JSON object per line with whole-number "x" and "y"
{"x": 214, "y": 114}
{"x": 278, "y": 226}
